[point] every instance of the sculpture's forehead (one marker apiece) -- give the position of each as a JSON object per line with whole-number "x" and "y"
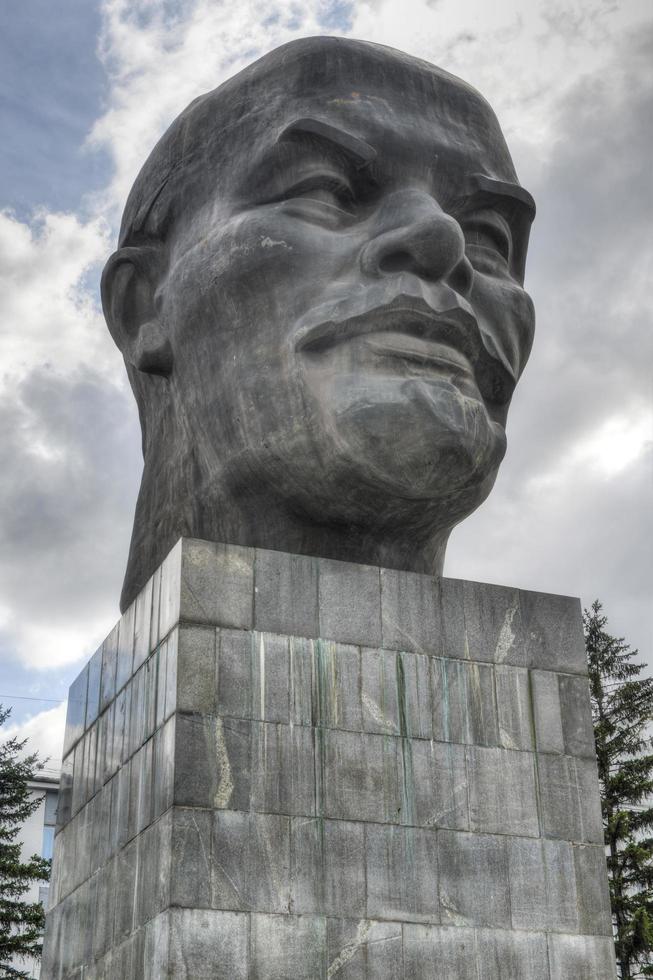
{"x": 397, "y": 103}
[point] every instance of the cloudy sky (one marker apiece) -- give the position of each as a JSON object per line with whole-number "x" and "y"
{"x": 86, "y": 88}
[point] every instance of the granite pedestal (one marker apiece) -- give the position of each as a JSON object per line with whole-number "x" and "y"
{"x": 287, "y": 767}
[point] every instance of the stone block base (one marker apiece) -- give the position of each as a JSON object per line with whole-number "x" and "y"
{"x": 285, "y": 767}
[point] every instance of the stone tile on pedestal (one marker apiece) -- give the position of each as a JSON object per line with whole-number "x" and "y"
{"x": 362, "y": 949}
{"x": 474, "y": 884}
{"x": 453, "y": 949}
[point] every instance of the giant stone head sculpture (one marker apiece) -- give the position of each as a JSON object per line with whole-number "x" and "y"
{"x": 318, "y": 293}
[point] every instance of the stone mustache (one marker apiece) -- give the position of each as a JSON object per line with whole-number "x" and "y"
{"x": 318, "y": 293}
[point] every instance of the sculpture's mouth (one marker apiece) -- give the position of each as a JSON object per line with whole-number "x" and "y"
{"x": 408, "y": 327}
{"x": 428, "y": 326}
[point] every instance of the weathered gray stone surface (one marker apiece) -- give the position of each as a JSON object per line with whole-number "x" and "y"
{"x": 263, "y": 805}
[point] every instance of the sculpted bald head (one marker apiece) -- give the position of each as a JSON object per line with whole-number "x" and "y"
{"x": 318, "y": 295}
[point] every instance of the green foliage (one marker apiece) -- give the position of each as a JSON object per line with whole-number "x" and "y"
{"x": 622, "y": 705}
{"x": 21, "y": 923}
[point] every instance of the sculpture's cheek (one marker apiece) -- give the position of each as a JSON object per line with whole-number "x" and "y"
{"x": 506, "y": 318}
{"x": 259, "y": 265}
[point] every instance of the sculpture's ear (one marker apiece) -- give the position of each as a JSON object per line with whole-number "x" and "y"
{"x": 129, "y": 283}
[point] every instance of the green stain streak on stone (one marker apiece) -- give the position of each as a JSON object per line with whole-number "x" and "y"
{"x": 475, "y": 702}
{"x": 320, "y": 765}
{"x": 319, "y": 701}
{"x": 408, "y": 792}
{"x": 445, "y": 701}
{"x": 324, "y": 656}
{"x": 253, "y": 670}
{"x": 321, "y": 658}
{"x": 383, "y": 704}
{"x": 333, "y": 699}
{"x": 327, "y": 683}
{"x": 531, "y": 705}
{"x": 401, "y": 695}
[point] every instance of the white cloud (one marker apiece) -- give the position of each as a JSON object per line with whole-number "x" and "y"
{"x": 60, "y": 376}
{"x": 44, "y": 733}
{"x": 69, "y": 465}
{"x": 160, "y": 56}
{"x": 49, "y": 314}
{"x": 522, "y": 56}
{"x": 617, "y": 443}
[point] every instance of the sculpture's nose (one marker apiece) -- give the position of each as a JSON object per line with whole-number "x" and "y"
{"x": 413, "y": 234}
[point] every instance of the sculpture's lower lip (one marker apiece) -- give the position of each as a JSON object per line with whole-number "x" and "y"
{"x": 428, "y": 354}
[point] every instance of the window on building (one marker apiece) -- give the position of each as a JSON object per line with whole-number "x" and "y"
{"x": 49, "y": 821}
{"x": 48, "y": 842}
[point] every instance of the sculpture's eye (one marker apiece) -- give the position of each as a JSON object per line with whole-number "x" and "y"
{"x": 325, "y": 187}
{"x": 322, "y": 197}
{"x": 487, "y": 237}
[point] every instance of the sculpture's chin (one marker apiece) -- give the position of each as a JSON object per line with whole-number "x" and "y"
{"x": 393, "y": 460}
{"x": 422, "y": 440}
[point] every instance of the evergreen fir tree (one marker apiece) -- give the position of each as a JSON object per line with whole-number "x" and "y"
{"x": 622, "y": 705}
{"x": 21, "y": 923}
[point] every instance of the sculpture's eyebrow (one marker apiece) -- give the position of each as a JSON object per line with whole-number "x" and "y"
{"x": 503, "y": 190}
{"x": 359, "y": 152}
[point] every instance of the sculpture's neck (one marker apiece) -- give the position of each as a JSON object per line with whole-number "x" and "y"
{"x": 177, "y": 499}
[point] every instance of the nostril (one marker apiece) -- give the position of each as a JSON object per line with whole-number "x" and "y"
{"x": 396, "y": 262}
{"x": 461, "y": 277}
